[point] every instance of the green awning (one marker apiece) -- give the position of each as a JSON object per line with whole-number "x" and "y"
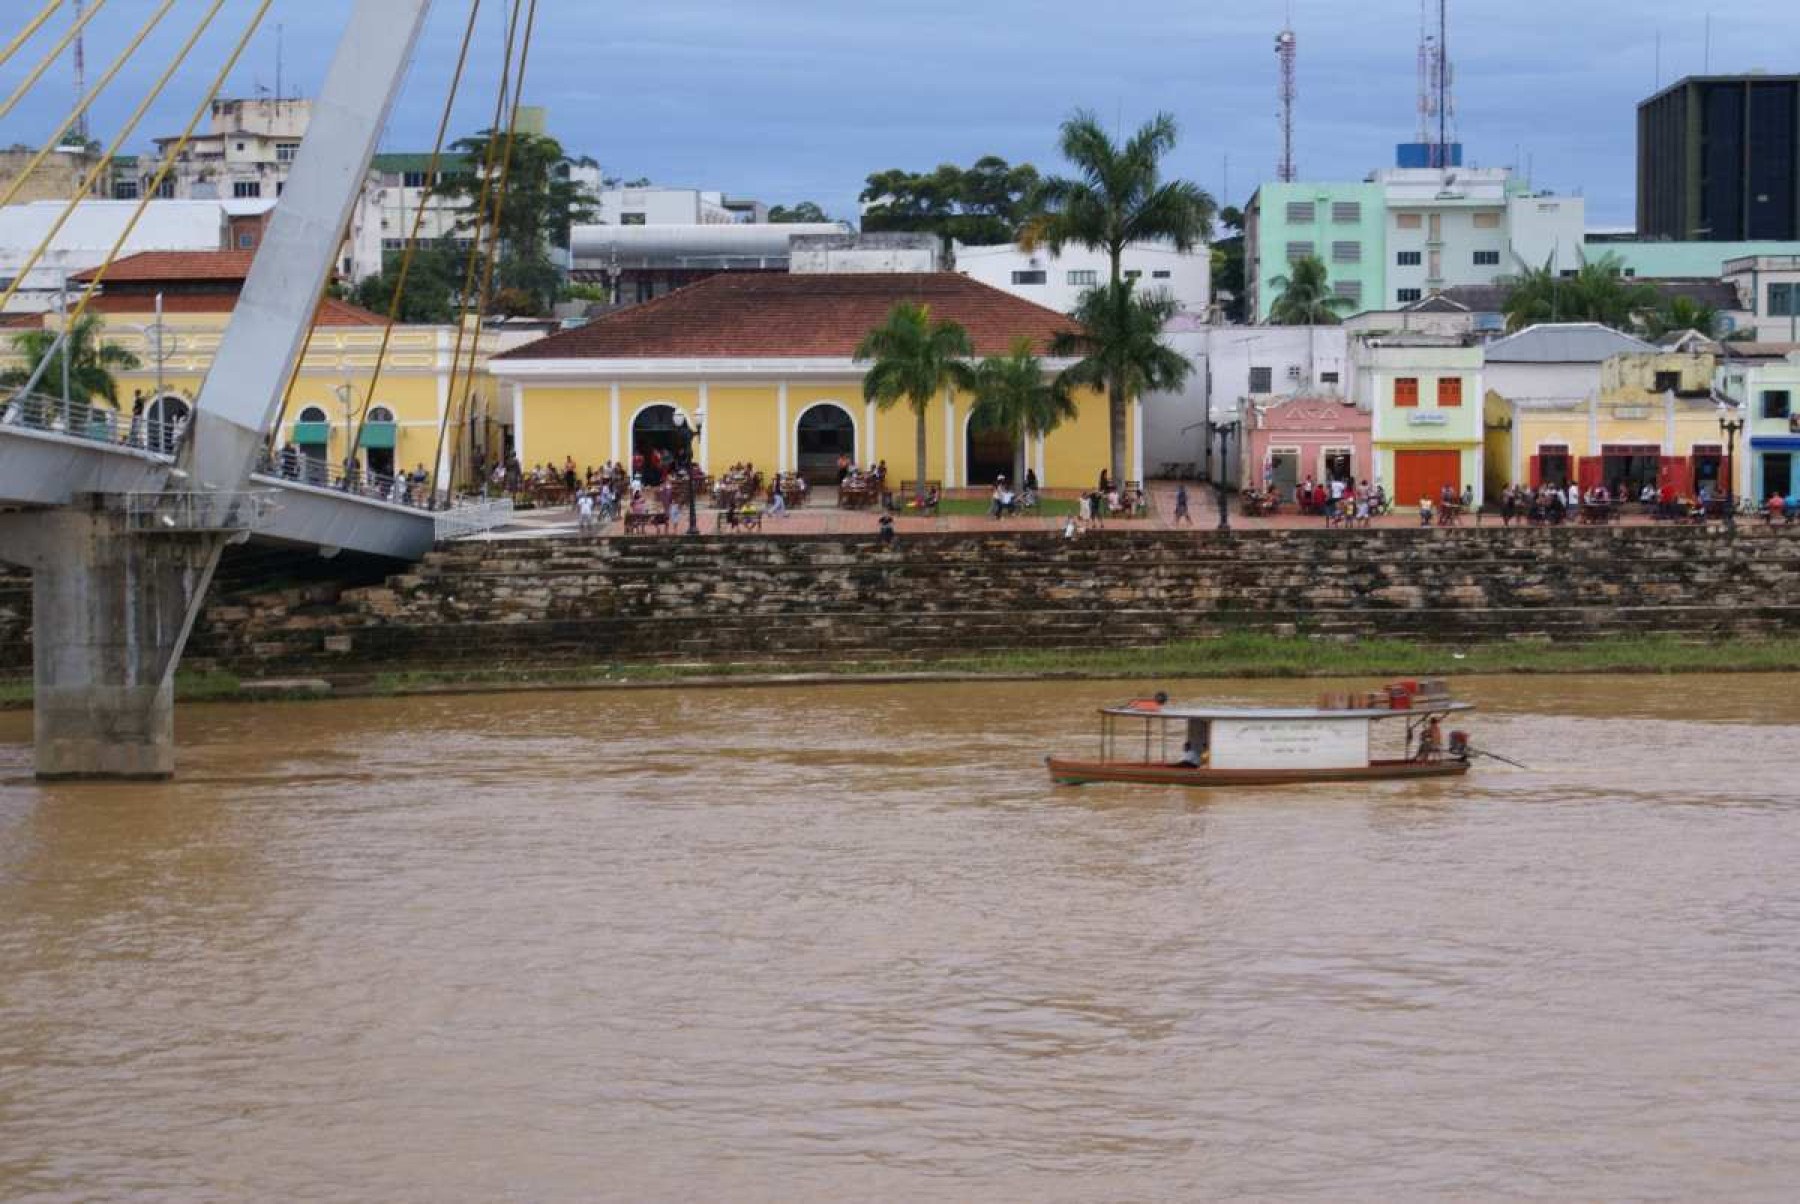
{"x": 379, "y": 435}
{"x": 311, "y": 433}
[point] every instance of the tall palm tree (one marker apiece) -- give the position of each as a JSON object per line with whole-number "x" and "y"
{"x": 1120, "y": 347}
{"x": 1118, "y": 197}
{"x": 1680, "y": 314}
{"x": 913, "y": 359}
{"x": 92, "y": 362}
{"x": 1013, "y": 395}
{"x": 1306, "y": 298}
{"x": 1599, "y": 292}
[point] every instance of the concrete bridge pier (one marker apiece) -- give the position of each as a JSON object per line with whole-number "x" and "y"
{"x": 111, "y": 610}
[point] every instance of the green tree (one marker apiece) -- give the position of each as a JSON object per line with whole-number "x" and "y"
{"x": 1228, "y": 265}
{"x": 1599, "y": 292}
{"x": 1118, "y": 197}
{"x": 1013, "y": 394}
{"x": 914, "y": 360}
{"x": 805, "y": 211}
{"x": 92, "y": 362}
{"x": 433, "y": 285}
{"x": 1119, "y": 348}
{"x": 1306, "y": 298}
{"x": 1679, "y": 314}
{"x": 542, "y": 204}
{"x": 982, "y": 203}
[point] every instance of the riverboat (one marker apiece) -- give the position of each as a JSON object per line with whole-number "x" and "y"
{"x": 1156, "y": 742}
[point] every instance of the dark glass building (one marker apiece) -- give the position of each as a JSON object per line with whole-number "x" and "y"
{"x": 1719, "y": 159}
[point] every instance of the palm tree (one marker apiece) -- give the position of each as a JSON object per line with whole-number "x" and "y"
{"x": 914, "y": 359}
{"x": 1306, "y": 298}
{"x": 1013, "y": 395}
{"x": 1680, "y": 314}
{"x": 1599, "y": 292}
{"x": 92, "y": 363}
{"x": 1117, "y": 198}
{"x": 1119, "y": 347}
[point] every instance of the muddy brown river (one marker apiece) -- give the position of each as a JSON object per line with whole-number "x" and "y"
{"x": 849, "y": 944}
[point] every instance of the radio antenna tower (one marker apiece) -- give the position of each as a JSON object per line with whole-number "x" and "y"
{"x": 1437, "y": 106}
{"x": 1286, "y": 47}
{"x": 80, "y": 132}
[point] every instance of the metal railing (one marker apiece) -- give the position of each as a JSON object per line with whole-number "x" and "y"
{"x": 191, "y": 512}
{"x": 94, "y": 423}
{"x": 473, "y": 516}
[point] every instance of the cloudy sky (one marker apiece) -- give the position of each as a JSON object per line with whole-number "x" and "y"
{"x": 801, "y": 99}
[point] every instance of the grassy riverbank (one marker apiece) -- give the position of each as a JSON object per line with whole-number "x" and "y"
{"x": 1242, "y": 656}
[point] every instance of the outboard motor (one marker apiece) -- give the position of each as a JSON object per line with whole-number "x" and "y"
{"x": 1459, "y": 746}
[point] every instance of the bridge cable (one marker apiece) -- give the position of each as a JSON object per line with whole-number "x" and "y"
{"x": 493, "y": 258}
{"x": 32, "y": 26}
{"x": 85, "y": 102}
{"x": 44, "y": 64}
{"x": 412, "y": 242}
{"x": 168, "y": 161}
{"x": 86, "y": 187}
{"x": 475, "y": 245}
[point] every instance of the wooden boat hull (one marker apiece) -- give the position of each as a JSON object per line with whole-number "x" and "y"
{"x": 1077, "y": 773}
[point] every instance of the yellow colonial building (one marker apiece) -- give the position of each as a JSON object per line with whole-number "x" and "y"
{"x": 1636, "y": 419}
{"x": 170, "y": 310}
{"x": 764, "y": 364}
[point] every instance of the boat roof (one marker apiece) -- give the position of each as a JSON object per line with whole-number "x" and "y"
{"x": 1150, "y": 710}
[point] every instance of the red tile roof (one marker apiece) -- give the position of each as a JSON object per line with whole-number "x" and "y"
{"x": 774, "y": 316}
{"x": 151, "y": 267}
{"x": 332, "y": 312}
{"x": 22, "y": 321}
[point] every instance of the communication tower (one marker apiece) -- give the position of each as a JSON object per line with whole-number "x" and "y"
{"x": 80, "y": 132}
{"x": 1437, "y": 104}
{"x": 1286, "y": 47}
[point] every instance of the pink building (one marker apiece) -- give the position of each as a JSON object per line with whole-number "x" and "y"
{"x": 1317, "y": 437}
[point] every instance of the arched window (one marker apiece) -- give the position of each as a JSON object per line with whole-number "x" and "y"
{"x": 824, "y": 432}
{"x": 988, "y": 455}
{"x": 313, "y": 414}
{"x": 381, "y": 414}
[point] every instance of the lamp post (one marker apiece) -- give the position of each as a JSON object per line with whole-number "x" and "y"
{"x": 1729, "y": 426}
{"x": 684, "y": 463}
{"x": 1224, "y": 431}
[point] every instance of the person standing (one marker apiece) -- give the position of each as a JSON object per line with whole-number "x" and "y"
{"x": 1181, "y": 504}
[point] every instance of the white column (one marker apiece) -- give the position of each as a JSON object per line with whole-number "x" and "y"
{"x": 950, "y": 480}
{"x": 1668, "y": 424}
{"x": 1593, "y": 447}
{"x": 1518, "y": 447}
{"x": 705, "y": 431}
{"x": 518, "y": 421}
{"x": 781, "y": 434}
{"x": 869, "y": 425}
{"x": 1137, "y": 437}
{"x": 617, "y": 451}
{"x": 1040, "y": 463}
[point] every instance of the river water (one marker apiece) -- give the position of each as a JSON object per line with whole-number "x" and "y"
{"x": 848, "y": 943}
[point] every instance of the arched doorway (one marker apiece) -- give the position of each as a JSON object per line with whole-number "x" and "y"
{"x": 164, "y": 421}
{"x": 653, "y": 439}
{"x": 378, "y": 439}
{"x": 825, "y": 432}
{"x": 312, "y": 435}
{"x": 988, "y": 455}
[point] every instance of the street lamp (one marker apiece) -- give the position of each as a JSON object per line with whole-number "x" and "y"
{"x": 1730, "y": 423}
{"x": 1224, "y": 431}
{"x": 684, "y": 463}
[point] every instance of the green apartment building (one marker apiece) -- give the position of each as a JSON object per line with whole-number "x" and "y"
{"x": 1342, "y": 224}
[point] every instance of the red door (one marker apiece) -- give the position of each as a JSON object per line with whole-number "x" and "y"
{"x": 1420, "y": 474}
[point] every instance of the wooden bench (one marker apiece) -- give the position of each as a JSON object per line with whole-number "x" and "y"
{"x": 641, "y": 523}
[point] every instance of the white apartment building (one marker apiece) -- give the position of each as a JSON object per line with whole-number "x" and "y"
{"x": 1454, "y": 226}
{"x": 652, "y": 206}
{"x": 88, "y": 236}
{"x": 1057, "y": 281}
{"x": 245, "y": 152}
{"x": 1768, "y": 286}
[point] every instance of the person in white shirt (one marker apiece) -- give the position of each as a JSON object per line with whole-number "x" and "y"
{"x": 584, "y": 507}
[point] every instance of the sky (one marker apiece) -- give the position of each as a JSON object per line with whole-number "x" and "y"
{"x": 790, "y": 100}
